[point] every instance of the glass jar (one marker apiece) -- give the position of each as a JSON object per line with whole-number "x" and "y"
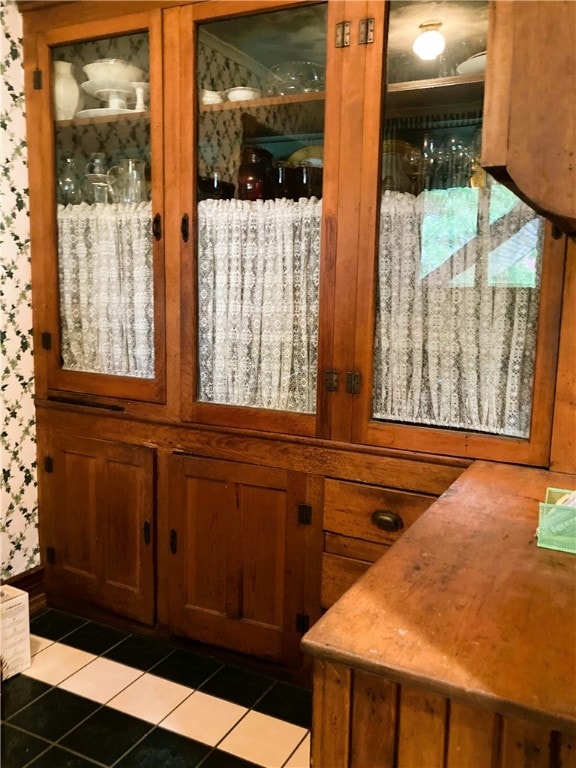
{"x": 254, "y": 174}
{"x": 69, "y": 185}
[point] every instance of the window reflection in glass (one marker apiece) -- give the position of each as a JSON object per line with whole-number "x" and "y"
{"x": 459, "y": 255}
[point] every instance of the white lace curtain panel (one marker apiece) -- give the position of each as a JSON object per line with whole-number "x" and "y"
{"x": 455, "y": 347}
{"x": 258, "y": 274}
{"x": 106, "y": 288}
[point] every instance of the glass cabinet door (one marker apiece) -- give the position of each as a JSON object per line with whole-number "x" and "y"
{"x": 458, "y": 256}
{"x": 260, "y": 83}
{"x": 107, "y": 309}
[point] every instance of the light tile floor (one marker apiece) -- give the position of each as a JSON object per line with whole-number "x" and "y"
{"x": 97, "y": 696}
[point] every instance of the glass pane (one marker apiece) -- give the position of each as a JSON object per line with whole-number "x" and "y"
{"x": 459, "y": 255}
{"x": 261, "y": 85}
{"x": 102, "y": 141}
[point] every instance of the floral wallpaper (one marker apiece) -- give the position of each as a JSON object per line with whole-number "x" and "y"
{"x": 19, "y": 548}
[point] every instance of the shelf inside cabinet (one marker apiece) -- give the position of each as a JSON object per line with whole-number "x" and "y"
{"x": 434, "y": 93}
{"x": 102, "y": 119}
{"x": 266, "y": 101}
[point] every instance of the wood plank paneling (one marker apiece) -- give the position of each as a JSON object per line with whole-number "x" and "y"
{"x": 567, "y": 750}
{"x": 331, "y": 716}
{"x": 374, "y": 706}
{"x": 422, "y": 719}
{"x": 473, "y": 737}
{"x": 525, "y": 745}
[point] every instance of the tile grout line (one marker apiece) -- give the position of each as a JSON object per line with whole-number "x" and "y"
{"x": 297, "y": 747}
{"x": 49, "y": 744}
{"x": 153, "y": 726}
{"x": 237, "y": 723}
{"x": 57, "y": 742}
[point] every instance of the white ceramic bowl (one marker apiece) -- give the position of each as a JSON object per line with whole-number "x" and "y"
{"x": 113, "y": 69}
{"x": 211, "y": 97}
{"x": 474, "y": 65}
{"x": 242, "y": 93}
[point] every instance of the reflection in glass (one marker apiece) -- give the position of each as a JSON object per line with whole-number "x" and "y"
{"x": 459, "y": 256}
{"x": 105, "y": 264}
{"x": 260, "y": 86}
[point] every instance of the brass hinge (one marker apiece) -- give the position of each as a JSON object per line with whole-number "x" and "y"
{"x": 304, "y": 514}
{"x": 46, "y": 340}
{"x": 366, "y": 31}
{"x": 352, "y": 383}
{"x": 37, "y": 80}
{"x": 302, "y": 623}
{"x": 343, "y": 34}
{"x": 48, "y": 464}
{"x": 331, "y": 381}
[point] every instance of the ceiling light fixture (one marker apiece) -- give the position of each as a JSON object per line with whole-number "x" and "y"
{"x": 430, "y": 42}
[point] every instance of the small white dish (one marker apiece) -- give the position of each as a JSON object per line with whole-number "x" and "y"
{"x": 211, "y": 97}
{"x": 473, "y": 66}
{"x": 103, "y": 112}
{"x": 243, "y": 93}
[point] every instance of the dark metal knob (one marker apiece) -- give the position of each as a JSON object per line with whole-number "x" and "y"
{"x": 157, "y": 226}
{"x": 185, "y": 227}
{"x": 387, "y": 520}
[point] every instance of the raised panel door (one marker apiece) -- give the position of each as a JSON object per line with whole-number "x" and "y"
{"x": 237, "y": 563}
{"x": 97, "y": 523}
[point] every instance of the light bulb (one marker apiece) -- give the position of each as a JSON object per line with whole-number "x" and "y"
{"x": 430, "y": 42}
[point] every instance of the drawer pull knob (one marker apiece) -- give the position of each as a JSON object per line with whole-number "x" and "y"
{"x": 387, "y": 520}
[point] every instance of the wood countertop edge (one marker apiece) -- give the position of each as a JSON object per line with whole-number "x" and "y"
{"x": 501, "y": 608}
{"x": 471, "y": 697}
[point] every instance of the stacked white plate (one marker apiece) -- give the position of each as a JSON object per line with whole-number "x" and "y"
{"x": 120, "y": 96}
{"x": 474, "y": 65}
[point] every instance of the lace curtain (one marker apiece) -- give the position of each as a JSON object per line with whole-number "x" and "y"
{"x": 106, "y": 288}
{"x": 456, "y": 325}
{"x": 258, "y": 274}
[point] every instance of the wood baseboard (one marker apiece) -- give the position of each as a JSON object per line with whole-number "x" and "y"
{"x": 31, "y": 581}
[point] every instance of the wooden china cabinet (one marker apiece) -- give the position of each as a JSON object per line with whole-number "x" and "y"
{"x": 286, "y": 307}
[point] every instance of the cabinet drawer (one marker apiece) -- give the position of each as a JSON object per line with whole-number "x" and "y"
{"x": 358, "y": 549}
{"x": 338, "y": 575}
{"x": 348, "y": 510}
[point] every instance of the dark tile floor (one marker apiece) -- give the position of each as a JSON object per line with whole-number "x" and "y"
{"x": 98, "y": 696}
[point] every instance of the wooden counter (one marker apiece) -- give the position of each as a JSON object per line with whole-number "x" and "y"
{"x": 458, "y": 647}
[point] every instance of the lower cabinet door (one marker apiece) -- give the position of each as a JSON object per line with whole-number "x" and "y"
{"x": 237, "y": 556}
{"x": 96, "y": 523}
